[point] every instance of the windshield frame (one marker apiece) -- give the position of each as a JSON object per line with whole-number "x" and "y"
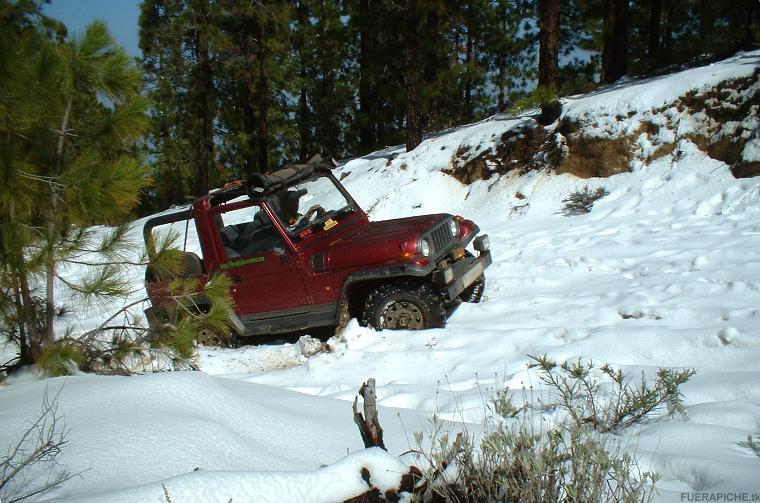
{"x": 324, "y": 222}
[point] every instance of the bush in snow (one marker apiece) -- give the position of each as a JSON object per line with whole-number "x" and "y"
{"x": 751, "y": 444}
{"x": 581, "y": 201}
{"x": 521, "y": 462}
{"x": 519, "y": 457}
{"x": 579, "y": 393}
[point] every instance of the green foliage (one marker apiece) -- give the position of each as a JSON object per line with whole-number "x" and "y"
{"x": 532, "y": 100}
{"x": 290, "y": 79}
{"x": 579, "y": 76}
{"x": 71, "y": 119}
{"x": 63, "y": 357}
{"x": 282, "y": 81}
{"x": 181, "y": 339}
{"x": 122, "y": 344}
{"x": 579, "y": 393}
{"x": 581, "y": 201}
{"x": 193, "y": 308}
{"x": 164, "y": 255}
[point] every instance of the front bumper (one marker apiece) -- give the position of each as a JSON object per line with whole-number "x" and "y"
{"x": 456, "y": 277}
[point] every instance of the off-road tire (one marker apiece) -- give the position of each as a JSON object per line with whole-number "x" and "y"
{"x": 209, "y": 338}
{"x": 404, "y": 306}
{"x": 474, "y": 293}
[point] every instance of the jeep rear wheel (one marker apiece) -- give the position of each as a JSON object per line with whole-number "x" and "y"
{"x": 403, "y": 307}
{"x": 208, "y": 337}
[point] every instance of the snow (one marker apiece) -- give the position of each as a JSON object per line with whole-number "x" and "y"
{"x": 649, "y": 94}
{"x": 336, "y": 482}
{"x": 167, "y": 424}
{"x": 663, "y": 272}
{"x": 751, "y": 152}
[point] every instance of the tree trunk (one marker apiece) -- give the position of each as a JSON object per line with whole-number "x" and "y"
{"x": 434, "y": 61}
{"x": 262, "y": 101}
{"x": 614, "y": 44}
{"x": 411, "y": 79}
{"x": 667, "y": 36}
{"x": 750, "y": 31}
{"x": 620, "y": 38}
{"x": 502, "y": 60}
{"x": 369, "y": 424}
{"x": 468, "y": 108}
{"x": 705, "y": 18}
{"x": 249, "y": 124}
{"x": 548, "y": 54}
{"x": 203, "y": 103}
{"x": 34, "y": 341}
{"x": 25, "y": 352}
{"x": 50, "y": 271}
{"x": 303, "y": 104}
{"x": 366, "y": 99}
{"x": 48, "y": 335}
{"x": 655, "y": 20}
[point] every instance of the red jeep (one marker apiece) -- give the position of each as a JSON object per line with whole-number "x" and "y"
{"x": 302, "y": 254}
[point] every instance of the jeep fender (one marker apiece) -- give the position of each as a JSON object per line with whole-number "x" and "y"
{"x": 380, "y": 273}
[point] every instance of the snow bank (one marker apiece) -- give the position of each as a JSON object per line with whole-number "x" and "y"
{"x": 132, "y": 431}
{"x": 334, "y": 483}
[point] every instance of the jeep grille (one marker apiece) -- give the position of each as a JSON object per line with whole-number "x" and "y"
{"x": 441, "y": 239}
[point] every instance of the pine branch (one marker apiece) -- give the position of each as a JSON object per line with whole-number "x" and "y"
{"x": 10, "y": 364}
{"x": 50, "y": 180}
{"x": 104, "y": 264}
{"x": 88, "y": 337}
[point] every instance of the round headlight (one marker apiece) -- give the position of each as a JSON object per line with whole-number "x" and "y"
{"x": 454, "y": 228}
{"x": 423, "y": 247}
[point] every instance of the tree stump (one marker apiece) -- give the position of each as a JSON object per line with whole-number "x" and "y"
{"x": 369, "y": 425}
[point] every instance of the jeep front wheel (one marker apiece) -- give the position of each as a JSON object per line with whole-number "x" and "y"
{"x": 404, "y": 307}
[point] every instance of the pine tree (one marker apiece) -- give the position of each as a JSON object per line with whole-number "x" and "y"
{"x": 548, "y": 62}
{"x": 411, "y": 77}
{"x": 178, "y": 42}
{"x": 614, "y": 43}
{"x": 327, "y": 82}
{"x": 655, "y": 24}
{"x": 362, "y": 19}
{"x": 62, "y": 144}
{"x": 166, "y": 68}
{"x": 509, "y": 42}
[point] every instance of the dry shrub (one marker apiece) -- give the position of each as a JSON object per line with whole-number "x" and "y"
{"x": 519, "y": 457}
{"x": 581, "y": 201}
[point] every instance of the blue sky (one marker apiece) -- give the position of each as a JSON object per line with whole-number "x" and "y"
{"x": 121, "y": 16}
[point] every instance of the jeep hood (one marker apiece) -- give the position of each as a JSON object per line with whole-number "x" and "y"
{"x": 379, "y": 242}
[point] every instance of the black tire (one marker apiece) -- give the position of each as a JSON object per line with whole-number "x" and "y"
{"x": 210, "y": 338}
{"x": 474, "y": 293}
{"x": 402, "y": 306}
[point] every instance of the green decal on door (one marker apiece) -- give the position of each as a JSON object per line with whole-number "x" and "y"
{"x": 240, "y": 263}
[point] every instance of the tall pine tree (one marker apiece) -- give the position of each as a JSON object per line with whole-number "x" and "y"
{"x": 71, "y": 117}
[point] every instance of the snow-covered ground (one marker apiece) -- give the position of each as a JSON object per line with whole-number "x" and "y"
{"x": 664, "y": 272}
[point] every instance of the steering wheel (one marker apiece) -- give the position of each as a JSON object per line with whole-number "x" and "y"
{"x": 315, "y": 209}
